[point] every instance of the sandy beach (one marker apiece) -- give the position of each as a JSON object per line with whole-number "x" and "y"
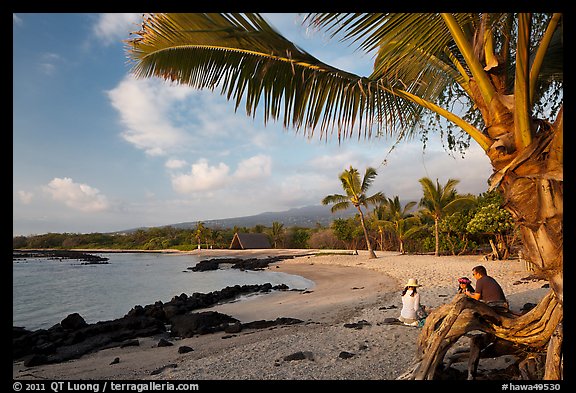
{"x": 349, "y": 289}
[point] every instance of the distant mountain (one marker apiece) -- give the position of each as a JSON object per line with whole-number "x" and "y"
{"x": 306, "y": 217}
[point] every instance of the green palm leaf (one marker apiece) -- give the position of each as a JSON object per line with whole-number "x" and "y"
{"x": 355, "y": 189}
{"x": 253, "y": 64}
{"x": 420, "y": 57}
{"x": 411, "y": 47}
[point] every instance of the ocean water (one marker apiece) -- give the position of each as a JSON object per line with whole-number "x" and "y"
{"x": 46, "y": 291}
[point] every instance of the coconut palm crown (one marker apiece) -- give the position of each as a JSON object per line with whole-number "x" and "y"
{"x": 398, "y": 219}
{"x": 440, "y": 200}
{"x": 356, "y": 196}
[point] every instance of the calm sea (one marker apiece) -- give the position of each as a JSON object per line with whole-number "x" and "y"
{"x": 46, "y": 291}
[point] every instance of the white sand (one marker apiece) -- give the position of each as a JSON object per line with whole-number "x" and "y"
{"x": 349, "y": 289}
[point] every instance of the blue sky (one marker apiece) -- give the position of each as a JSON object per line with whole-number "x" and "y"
{"x": 96, "y": 150}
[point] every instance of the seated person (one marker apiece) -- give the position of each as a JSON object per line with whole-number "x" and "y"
{"x": 464, "y": 284}
{"x": 487, "y": 289}
{"x": 410, "y": 303}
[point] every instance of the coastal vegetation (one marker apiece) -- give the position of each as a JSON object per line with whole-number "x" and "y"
{"x": 492, "y": 78}
{"x": 391, "y": 215}
{"x": 437, "y": 201}
{"x": 394, "y": 230}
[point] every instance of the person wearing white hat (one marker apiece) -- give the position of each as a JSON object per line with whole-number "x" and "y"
{"x": 410, "y": 303}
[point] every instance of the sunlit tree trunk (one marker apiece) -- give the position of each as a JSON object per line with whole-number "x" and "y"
{"x": 532, "y": 185}
{"x": 437, "y": 237}
{"x": 371, "y": 253}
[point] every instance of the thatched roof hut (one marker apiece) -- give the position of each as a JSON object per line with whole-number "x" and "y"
{"x": 243, "y": 241}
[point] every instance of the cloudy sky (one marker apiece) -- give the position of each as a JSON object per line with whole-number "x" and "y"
{"x": 96, "y": 150}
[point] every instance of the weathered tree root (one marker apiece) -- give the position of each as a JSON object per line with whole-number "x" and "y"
{"x": 530, "y": 333}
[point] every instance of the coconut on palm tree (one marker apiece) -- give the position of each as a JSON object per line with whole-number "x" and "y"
{"x": 356, "y": 196}
{"x": 494, "y": 79}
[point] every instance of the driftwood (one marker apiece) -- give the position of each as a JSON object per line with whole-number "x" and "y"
{"x": 526, "y": 336}
{"x": 482, "y": 346}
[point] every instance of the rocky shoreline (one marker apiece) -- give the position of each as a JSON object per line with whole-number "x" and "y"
{"x": 59, "y": 255}
{"x": 346, "y": 333}
{"x": 73, "y": 337}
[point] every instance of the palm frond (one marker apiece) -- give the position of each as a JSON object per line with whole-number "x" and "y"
{"x": 368, "y": 178}
{"x": 409, "y": 206}
{"x": 334, "y": 198}
{"x": 429, "y": 190}
{"x": 420, "y": 59}
{"x": 350, "y": 179}
{"x": 253, "y": 64}
{"x": 413, "y": 49}
{"x": 340, "y": 206}
{"x": 437, "y": 198}
{"x": 374, "y": 199}
{"x": 460, "y": 203}
{"x": 448, "y": 192}
{"x": 413, "y": 231}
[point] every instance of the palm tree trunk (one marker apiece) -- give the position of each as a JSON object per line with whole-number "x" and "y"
{"x": 371, "y": 253}
{"x": 532, "y": 186}
{"x": 437, "y": 234}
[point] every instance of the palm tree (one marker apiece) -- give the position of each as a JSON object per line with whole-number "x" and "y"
{"x": 216, "y": 236}
{"x": 356, "y": 196}
{"x": 440, "y": 200}
{"x": 381, "y": 214}
{"x": 506, "y": 69}
{"x": 276, "y": 233}
{"x": 199, "y": 232}
{"x": 399, "y": 220}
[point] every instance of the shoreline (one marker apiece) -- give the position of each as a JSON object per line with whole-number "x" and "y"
{"x": 348, "y": 289}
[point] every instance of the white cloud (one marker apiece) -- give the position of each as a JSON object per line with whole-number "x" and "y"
{"x": 175, "y": 164}
{"x": 51, "y": 57}
{"x": 145, "y": 108}
{"x": 339, "y": 161}
{"x": 262, "y": 139}
{"x": 302, "y": 189}
{"x": 77, "y": 196}
{"x": 407, "y": 164}
{"x": 111, "y": 28}
{"x": 202, "y": 177}
{"x": 48, "y": 63}
{"x": 25, "y": 197}
{"x": 47, "y": 68}
{"x": 255, "y": 167}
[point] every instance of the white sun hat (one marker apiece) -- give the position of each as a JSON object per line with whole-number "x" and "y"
{"x": 412, "y": 283}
